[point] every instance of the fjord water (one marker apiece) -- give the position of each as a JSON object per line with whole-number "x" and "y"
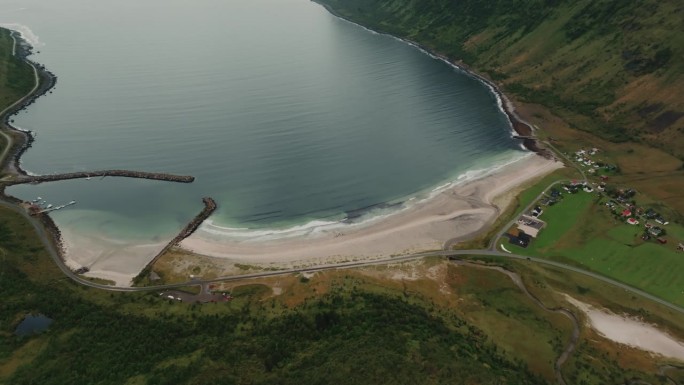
{"x": 284, "y": 113}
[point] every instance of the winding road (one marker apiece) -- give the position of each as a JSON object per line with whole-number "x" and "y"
{"x": 574, "y": 337}
{"x": 36, "y": 79}
{"x": 52, "y": 250}
{"x": 47, "y": 241}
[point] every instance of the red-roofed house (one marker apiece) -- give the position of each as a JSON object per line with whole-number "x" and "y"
{"x": 627, "y": 213}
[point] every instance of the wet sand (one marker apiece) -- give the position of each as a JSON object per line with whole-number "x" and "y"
{"x": 116, "y": 260}
{"x": 460, "y": 211}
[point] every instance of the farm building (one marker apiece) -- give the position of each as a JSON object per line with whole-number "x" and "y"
{"x": 530, "y": 225}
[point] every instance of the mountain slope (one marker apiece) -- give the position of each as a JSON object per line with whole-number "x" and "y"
{"x": 611, "y": 67}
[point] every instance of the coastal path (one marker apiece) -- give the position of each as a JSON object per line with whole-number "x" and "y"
{"x": 36, "y": 81}
{"x": 517, "y": 280}
{"x": 46, "y": 239}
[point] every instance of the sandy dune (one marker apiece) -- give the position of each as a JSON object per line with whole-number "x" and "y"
{"x": 631, "y": 331}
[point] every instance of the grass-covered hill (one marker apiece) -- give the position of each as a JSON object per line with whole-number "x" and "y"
{"x": 16, "y": 76}
{"x": 442, "y": 324}
{"x": 611, "y": 67}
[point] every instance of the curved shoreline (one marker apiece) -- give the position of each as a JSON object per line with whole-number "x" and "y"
{"x": 476, "y": 216}
{"x": 459, "y": 211}
{"x": 45, "y": 81}
{"x": 523, "y": 129}
{"x": 19, "y": 141}
{"x": 11, "y": 155}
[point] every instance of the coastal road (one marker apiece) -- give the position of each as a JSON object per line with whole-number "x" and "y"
{"x": 36, "y": 81}
{"x": 495, "y": 240}
{"x": 46, "y": 239}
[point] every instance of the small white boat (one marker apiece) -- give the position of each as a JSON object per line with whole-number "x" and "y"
{"x": 49, "y": 206}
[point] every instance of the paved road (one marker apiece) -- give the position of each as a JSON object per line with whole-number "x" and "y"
{"x": 8, "y": 138}
{"x": 46, "y": 239}
{"x": 495, "y": 239}
{"x": 47, "y": 242}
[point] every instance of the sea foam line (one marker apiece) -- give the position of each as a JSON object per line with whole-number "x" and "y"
{"x": 319, "y": 227}
{"x": 25, "y": 33}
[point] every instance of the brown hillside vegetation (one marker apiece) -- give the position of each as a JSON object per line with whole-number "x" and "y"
{"x": 610, "y": 67}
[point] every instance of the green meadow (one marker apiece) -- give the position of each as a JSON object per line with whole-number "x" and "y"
{"x": 16, "y": 76}
{"x": 581, "y": 231}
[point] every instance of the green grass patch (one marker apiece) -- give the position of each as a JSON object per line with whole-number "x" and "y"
{"x": 560, "y": 219}
{"x": 581, "y": 231}
{"x": 16, "y": 76}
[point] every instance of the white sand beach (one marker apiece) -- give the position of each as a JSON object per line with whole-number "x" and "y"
{"x": 458, "y": 212}
{"x": 461, "y": 211}
{"x": 630, "y": 331}
{"x": 107, "y": 258}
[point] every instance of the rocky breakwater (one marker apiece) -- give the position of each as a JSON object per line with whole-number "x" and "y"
{"x": 209, "y": 208}
{"x": 22, "y": 179}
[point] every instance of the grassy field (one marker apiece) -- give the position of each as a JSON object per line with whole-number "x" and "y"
{"x": 421, "y": 322}
{"x": 580, "y": 230}
{"x": 657, "y": 176}
{"x": 424, "y": 322}
{"x": 16, "y": 76}
{"x": 596, "y": 358}
{"x": 321, "y": 330}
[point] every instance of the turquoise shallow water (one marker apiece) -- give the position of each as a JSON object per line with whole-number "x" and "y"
{"x": 284, "y": 114}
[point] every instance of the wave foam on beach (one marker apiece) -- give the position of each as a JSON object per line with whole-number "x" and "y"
{"x": 25, "y": 32}
{"x": 457, "y": 210}
{"x": 371, "y": 215}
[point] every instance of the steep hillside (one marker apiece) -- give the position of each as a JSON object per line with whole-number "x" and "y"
{"x": 16, "y": 76}
{"x": 611, "y": 67}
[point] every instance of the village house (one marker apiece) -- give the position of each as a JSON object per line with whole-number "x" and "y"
{"x": 655, "y": 231}
{"x": 662, "y": 221}
{"x": 522, "y": 239}
{"x": 536, "y": 212}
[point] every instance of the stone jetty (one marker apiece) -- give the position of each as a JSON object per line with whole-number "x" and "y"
{"x": 209, "y": 208}
{"x": 21, "y": 179}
